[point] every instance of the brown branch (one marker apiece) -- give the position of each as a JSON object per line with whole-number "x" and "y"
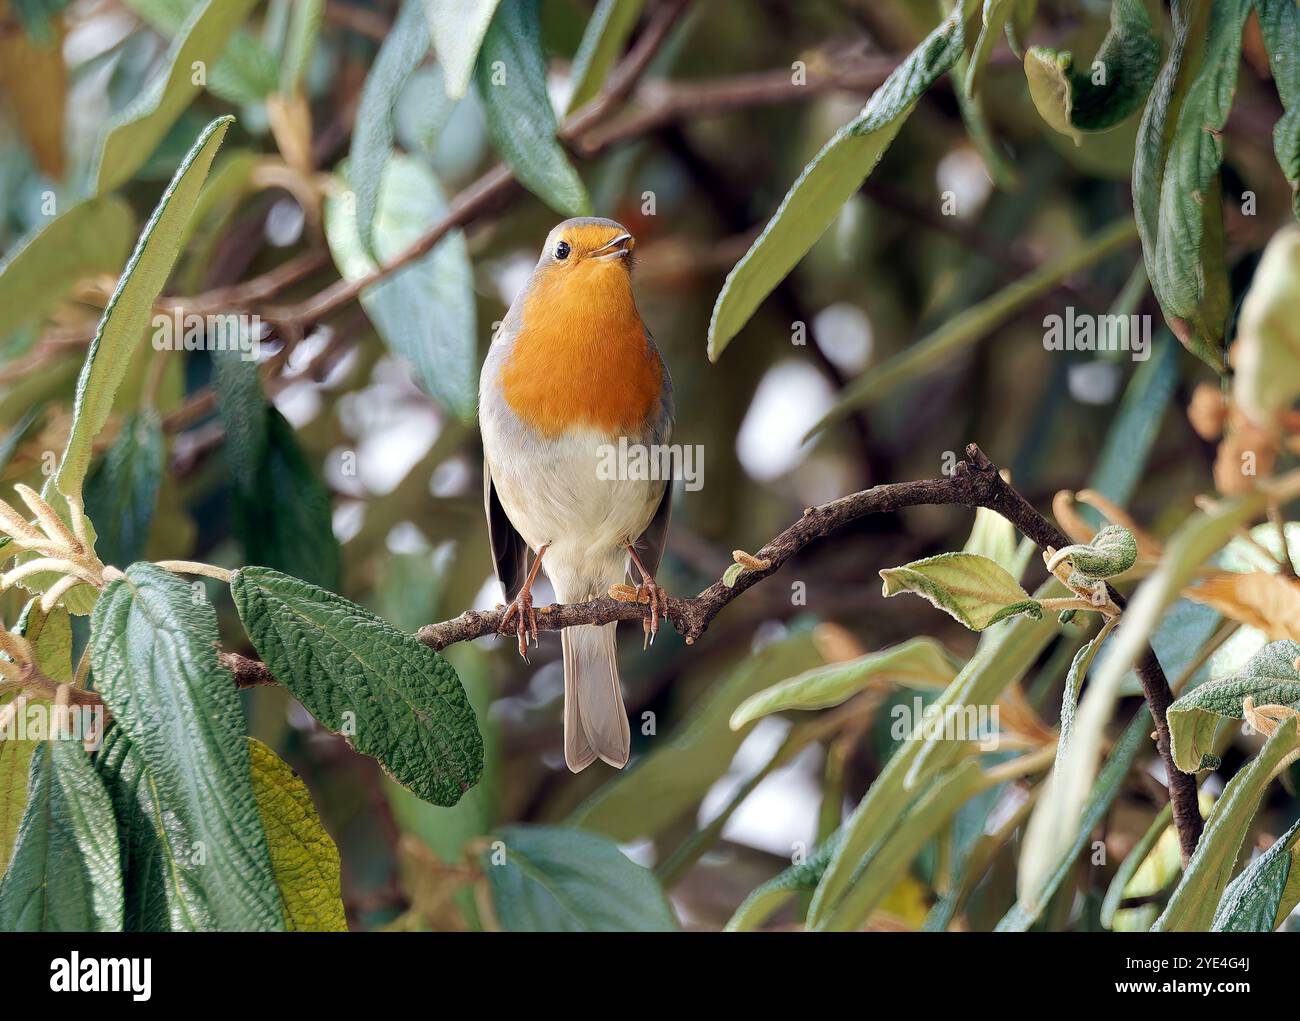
{"x": 975, "y": 482}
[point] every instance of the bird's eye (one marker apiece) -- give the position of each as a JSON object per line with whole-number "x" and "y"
{"x": 561, "y": 249}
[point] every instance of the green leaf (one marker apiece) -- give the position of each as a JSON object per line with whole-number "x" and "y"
{"x": 458, "y": 28}
{"x": 1279, "y": 20}
{"x": 764, "y": 899}
{"x": 732, "y": 572}
{"x": 1255, "y": 900}
{"x": 403, "y": 50}
{"x": 286, "y": 520}
{"x": 994, "y": 537}
{"x": 1070, "y": 697}
{"x": 1108, "y": 91}
{"x": 661, "y": 788}
{"x": 122, "y": 490}
{"x": 304, "y": 858}
{"x": 607, "y": 31}
{"x": 556, "y": 879}
{"x": 14, "y": 437}
{"x": 133, "y": 135}
{"x": 1269, "y": 677}
{"x": 1147, "y": 869}
{"x": 917, "y": 662}
{"x": 63, "y": 875}
{"x": 992, "y": 21}
{"x": 281, "y": 508}
{"x": 511, "y": 79}
{"x": 91, "y": 237}
{"x": 938, "y": 348}
{"x": 390, "y": 697}
{"x": 1136, "y": 423}
{"x": 300, "y": 43}
{"x": 1032, "y": 899}
{"x": 1191, "y": 908}
{"x": 424, "y": 312}
{"x": 1266, "y": 353}
{"x": 1005, "y": 652}
{"x": 162, "y": 881}
{"x": 834, "y": 175}
{"x": 972, "y": 589}
{"x": 154, "y": 655}
{"x": 1019, "y": 24}
{"x": 1176, "y": 190}
{"x": 131, "y": 306}
{"x": 891, "y": 857}
{"x": 247, "y": 72}
{"x": 1056, "y": 817}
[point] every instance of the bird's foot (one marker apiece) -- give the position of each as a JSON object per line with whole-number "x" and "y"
{"x": 521, "y": 609}
{"x": 523, "y": 614}
{"x": 648, "y": 593}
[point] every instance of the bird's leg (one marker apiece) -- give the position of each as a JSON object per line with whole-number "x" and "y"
{"x": 649, "y": 591}
{"x": 521, "y": 607}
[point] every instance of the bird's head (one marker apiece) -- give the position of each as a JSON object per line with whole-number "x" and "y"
{"x": 583, "y": 274}
{"x": 586, "y": 249}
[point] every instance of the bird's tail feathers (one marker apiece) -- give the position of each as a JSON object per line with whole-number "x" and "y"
{"x": 595, "y": 722}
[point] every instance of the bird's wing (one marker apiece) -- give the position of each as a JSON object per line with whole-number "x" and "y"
{"x": 650, "y": 547}
{"x": 509, "y": 551}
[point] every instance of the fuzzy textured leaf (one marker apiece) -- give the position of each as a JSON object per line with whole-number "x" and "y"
{"x": 154, "y": 654}
{"x": 122, "y": 489}
{"x": 63, "y": 875}
{"x": 1269, "y": 677}
{"x": 1177, "y": 195}
{"x": 131, "y": 306}
{"x": 304, "y": 858}
{"x": 1191, "y": 908}
{"x": 1072, "y": 100}
{"x": 372, "y": 139}
{"x": 971, "y": 589}
{"x": 1254, "y": 901}
{"x": 833, "y": 176}
{"x": 511, "y": 79}
{"x": 918, "y": 662}
{"x": 390, "y": 697}
{"x": 134, "y": 134}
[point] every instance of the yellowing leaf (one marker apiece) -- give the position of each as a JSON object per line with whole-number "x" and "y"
{"x": 303, "y": 857}
{"x": 34, "y": 85}
{"x": 1267, "y": 602}
{"x": 970, "y": 588}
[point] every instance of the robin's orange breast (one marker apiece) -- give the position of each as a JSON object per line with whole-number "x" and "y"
{"x": 581, "y": 359}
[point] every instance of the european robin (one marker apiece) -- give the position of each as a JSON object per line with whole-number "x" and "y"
{"x": 572, "y": 371}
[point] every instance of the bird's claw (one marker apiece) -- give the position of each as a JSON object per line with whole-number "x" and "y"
{"x": 650, "y": 594}
{"x": 524, "y": 615}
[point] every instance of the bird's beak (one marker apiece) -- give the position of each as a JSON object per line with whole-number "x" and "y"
{"x": 618, "y": 248}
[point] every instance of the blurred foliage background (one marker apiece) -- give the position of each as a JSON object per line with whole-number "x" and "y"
{"x": 374, "y": 488}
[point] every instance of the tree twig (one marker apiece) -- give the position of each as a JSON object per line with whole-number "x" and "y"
{"x": 975, "y": 482}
